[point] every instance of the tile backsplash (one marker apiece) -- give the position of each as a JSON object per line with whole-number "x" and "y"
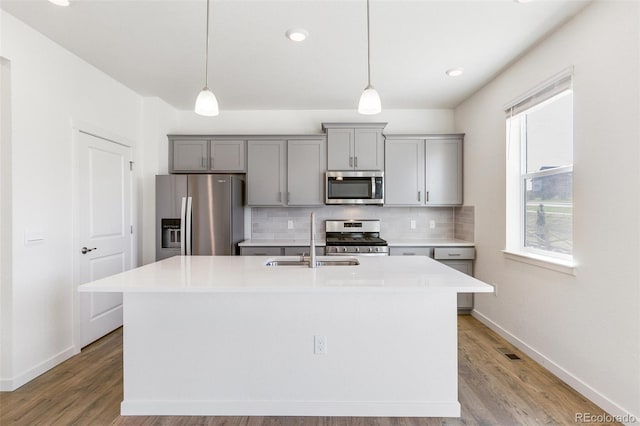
{"x": 272, "y": 223}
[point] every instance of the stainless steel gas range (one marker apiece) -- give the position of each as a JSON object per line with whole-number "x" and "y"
{"x": 355, "y": 238}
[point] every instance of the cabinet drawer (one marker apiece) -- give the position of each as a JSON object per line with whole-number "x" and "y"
{"x": 411, "y": 251}
{"x": 261, "y": 251}
{"x": 299, "y": 251}
{"x": 454, "y": 253}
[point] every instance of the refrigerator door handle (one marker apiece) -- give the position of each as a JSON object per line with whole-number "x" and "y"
{"x": 188, "y": 227}
{"x": 183, "y": 217}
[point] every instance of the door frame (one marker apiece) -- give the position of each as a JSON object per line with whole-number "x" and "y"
{"x": 78, "y": 127}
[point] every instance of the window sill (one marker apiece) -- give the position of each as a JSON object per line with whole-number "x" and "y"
{"x": 559, "y": 265}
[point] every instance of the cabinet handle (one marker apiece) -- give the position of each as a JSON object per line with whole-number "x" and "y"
{"x": 204, "y": 162}
{"x": 355, "y": 162}
{"x": 408, "y": 254}
{"x": 279, "y": 197}
{"x": 211, "y": 166}
{"x": 418, "y": 195}
{"x": 453, "y": 254}
{"x": 427, "y": 196}
{"x": 288, "y": 197}
{"x": 350, "y": 161}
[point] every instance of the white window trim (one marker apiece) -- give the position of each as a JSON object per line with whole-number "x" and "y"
{"x": 559, "y": 265}
{"x": 515, "y": 249}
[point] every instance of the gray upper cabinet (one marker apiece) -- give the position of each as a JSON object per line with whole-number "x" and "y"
{"x": 306, "y": 167}
{"x": 227, "y": 155}
{"x": 404, "y": 173}
{"x": 355, "y": 146}
{"x": 266, "y": 172}
{"x": 286, "y": 172}
{"x": 444, "y": 171}
{"x": 188, "y": 155}
{"x": 423, "y": 170}
{"x": 206, "y": 154}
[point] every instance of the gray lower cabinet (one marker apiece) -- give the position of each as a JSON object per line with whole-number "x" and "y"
{"x": 206, "y": 154}
{"x": 286, "y": 172}
{"x": 411, "y": 251}
{"x": 279, "y": 251}
{"x": 261, "y": 251}
{"x": 460, "y": 258}
{"x": 423, "y": 170}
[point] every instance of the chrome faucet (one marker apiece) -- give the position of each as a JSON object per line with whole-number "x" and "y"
{"x": 312, "y": 242}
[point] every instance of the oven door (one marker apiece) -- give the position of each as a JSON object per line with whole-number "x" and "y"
{"x": 354, "y": 188}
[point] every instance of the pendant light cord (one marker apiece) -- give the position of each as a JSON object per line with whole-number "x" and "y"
{"x": 206, "y": 54}
{"x": 368, "y": 48}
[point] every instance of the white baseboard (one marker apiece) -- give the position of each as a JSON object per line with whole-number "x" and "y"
{"x": 291, "y": 408}
{"x": 580, "y": 386}
{"x": 9, "y": 385}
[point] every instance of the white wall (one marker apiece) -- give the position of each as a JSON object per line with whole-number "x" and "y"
{"x": 159, "y": 119}
{"x": 310, "y": 121}
{"x": 50, "y": 88}
{"x": 585, "y": 328}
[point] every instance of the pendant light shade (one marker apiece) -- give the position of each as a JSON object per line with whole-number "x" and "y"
{"x": 369, "y": 102}
{"x": 206, "y": 102}
{"x": 370, "y": 99}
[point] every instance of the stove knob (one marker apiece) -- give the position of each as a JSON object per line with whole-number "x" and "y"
{"x": 371, "y": 249}
{"x": 377, "y": 248}
{"x": 344, "y": 249}
{"x": 357, "y": 249}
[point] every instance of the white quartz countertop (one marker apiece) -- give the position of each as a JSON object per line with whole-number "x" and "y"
{"x": 187, "y": 274}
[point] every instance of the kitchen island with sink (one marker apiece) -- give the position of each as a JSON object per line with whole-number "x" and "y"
{"x": 230, "y": 335}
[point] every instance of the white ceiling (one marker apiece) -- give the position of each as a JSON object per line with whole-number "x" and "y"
{"x": 156, "y": 47}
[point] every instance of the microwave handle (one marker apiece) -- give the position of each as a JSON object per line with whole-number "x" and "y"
{"x": 373, "y": 187}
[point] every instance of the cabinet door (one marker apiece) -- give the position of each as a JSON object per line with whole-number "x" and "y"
{"x": 227, "y": 156}
{"x": 369, "y": 150}
{"x": 340, "y": 149}
{"x": 302, "y": 251}
{"x": 306, "y": 167}
{"x": 444, "y": 172}
{"x": 404, "y": 172}
{"x": 189, "y": 155}
{"x": 260, "y": 251}
{"x": 465, "y": 300}
{"x": 266, "y": 170}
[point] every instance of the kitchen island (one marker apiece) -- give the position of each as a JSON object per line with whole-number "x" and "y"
{"x": 218, "y": 335}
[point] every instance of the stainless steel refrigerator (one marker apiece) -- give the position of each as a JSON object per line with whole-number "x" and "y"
{"x": 199, "y": 214}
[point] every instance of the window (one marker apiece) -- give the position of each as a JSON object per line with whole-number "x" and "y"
{"x": 540, "y": 171}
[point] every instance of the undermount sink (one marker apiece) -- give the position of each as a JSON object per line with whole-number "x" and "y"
{"x": 349, "y": 261}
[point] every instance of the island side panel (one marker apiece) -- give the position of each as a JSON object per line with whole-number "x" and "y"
{"x": 387, "y": 353}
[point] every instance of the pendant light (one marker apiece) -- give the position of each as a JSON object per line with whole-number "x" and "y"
{"x": 369, "y": 100}
{"x": 206, "y": 103}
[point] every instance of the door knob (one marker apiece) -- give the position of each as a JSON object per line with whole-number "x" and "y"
{"x": 87, "y": 250}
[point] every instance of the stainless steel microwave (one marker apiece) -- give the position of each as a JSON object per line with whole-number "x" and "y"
{"x": 366, "y": 187}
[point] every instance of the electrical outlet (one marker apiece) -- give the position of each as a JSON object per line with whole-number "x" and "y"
{"x": 289, "y": 224}
{"x": 413, "y": 224}
{"x": 320, "y": 345}
{"x": 432, "y": 224}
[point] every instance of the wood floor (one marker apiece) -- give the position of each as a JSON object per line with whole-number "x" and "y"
{"x": 493, "y": 389}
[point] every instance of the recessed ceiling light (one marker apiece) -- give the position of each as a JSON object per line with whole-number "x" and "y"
{"x": 297, "y": 34}
{"x": 454, "y": 72}
{"x": 60, "y": 2}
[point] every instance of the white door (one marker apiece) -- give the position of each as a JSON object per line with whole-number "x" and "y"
{"x": 105, "y": 230}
